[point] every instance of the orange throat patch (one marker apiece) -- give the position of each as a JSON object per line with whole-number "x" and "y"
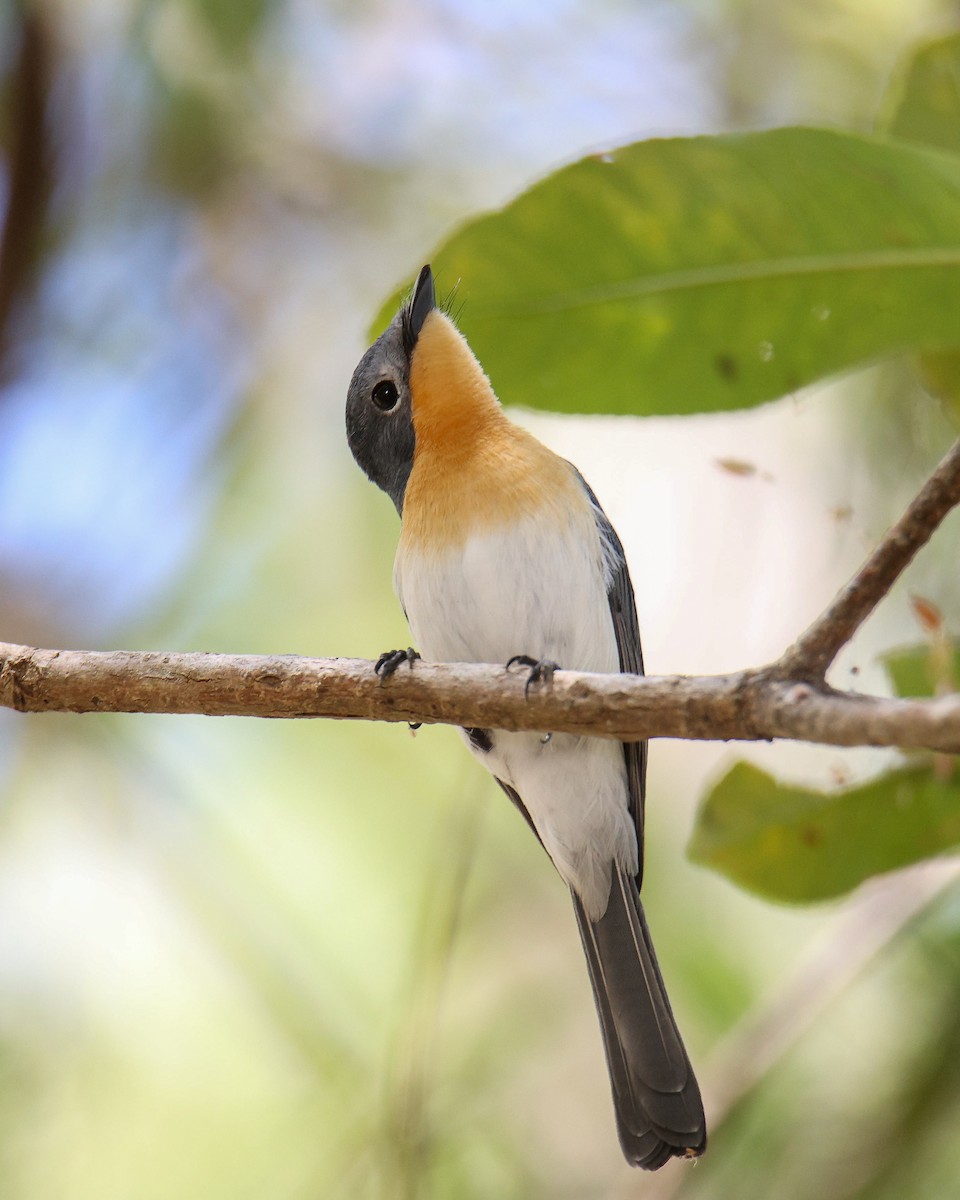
{"x": 473, "y": 469}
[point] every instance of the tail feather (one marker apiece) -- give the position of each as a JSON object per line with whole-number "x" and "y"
{"x": 655, "y": 1093}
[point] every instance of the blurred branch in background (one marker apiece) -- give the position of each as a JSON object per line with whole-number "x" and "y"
{"x": 28, "y": 154}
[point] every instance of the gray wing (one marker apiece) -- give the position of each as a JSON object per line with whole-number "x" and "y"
{"x": 519, "y": 805}
{"x": 626, "y": 627}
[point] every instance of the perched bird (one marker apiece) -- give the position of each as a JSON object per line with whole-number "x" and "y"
{"x": 505, "y": 553}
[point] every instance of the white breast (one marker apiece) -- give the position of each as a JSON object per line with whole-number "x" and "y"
{"x": 530, "y": 588}
{"x": 533, "y": 588}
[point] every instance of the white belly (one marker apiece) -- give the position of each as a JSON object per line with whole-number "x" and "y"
{"x": 531, "y": 590}
{"x": 541, "y": 592}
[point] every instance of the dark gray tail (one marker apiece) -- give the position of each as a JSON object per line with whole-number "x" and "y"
{"x": 655, "y": 1093}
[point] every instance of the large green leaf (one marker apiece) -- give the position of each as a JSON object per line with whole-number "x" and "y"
{"x": 923, "y": 105}
{"x": 799, "y": 846}
{"x": 709, "y": 273}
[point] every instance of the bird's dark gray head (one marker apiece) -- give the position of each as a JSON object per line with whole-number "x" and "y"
{"x": 379, "y": 415}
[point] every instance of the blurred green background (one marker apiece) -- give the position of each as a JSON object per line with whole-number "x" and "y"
{"x": 311, "y": 959}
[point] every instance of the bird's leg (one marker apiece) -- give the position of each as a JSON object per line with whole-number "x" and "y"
{"x": 541, "y": 669}
{"x": 389, "y": 660}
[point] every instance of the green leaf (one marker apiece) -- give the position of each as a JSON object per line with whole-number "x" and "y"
{"x": 799, "y": 846}
{"x": 923, "y": 105}
{"x": 710, "y": 273}
{"x": 940, "y": 374}
{"x": 924, "y": 670}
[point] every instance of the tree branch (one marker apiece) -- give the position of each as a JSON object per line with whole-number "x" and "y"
{"x": 788, "y": 699}
{"x": 746, "y": 706}
{"x": 810, "y": 656}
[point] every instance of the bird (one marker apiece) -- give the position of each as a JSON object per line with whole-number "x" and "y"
{"x": 505, "y": 555}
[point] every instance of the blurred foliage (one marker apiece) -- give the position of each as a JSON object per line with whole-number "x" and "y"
{"x": 922, "y": 104}
{"x": 192, "y": 152}
{"x": 927, "y": 670}
{"x": 317, "y": 959}
{"x": 233, "y": 24}
{"x": 940, "y": 375}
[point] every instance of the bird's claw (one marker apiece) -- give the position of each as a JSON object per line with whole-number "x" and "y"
{"x": 388, "y": 662}
{"x": 541, "y": 669}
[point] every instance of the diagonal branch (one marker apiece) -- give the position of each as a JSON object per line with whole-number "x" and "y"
{"x": 749, "y": 705}
{"x": 812, "y": 653}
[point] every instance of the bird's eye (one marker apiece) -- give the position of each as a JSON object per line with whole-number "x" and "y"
{"x": 385, "y": 395}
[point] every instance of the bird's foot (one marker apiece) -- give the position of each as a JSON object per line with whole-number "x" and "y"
{"x": 389, "y": 660}
{"x": 541, "y": 669}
